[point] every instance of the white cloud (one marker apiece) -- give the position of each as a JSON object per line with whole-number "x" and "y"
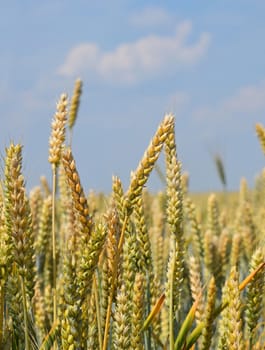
{"x": 130, "y": 62}
{"x": 247, "y": 101}
{"x": 151, "y": 17}
{"x": 82, "y": 57}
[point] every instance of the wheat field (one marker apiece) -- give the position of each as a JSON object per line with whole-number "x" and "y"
{"x": 129, "y": 270}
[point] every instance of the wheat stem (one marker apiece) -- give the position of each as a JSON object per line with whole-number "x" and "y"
{"x": 2, "y": 300}
{"x": 24, "y": 300}
{"x": 95, "y": 290}
{"x": 171, "y": 297}
{"x": 54, "y": 243}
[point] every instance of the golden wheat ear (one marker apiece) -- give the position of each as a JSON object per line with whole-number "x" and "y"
{"x": 19, "y": 229}
{"x": 232, "y": 328}
{"x": 57, "y": 137}
{"x": 255, "y": 294}
{"x": 260, "y": 130}
{"x": 208, "y": 330}
{"x": 80, "y": 204}
{"x": 74, "y": 106}
{"x": 147, "y": 163}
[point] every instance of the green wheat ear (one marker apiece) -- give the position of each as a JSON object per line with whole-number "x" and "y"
{"x": 219, "y": 163}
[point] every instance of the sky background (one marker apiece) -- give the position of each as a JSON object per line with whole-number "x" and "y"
{"x": 204, "y": 61}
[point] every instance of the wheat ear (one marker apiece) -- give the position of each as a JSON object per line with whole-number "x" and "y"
{"x": 255, "y": 294}
{"x": 83, "y": 217}
{"x": 260, "y": 130}
{"x": 146, "y": 165}
{"x": 74, "y": 106}
{"x": 208, "y": 330}
{"x": 136, "y": 342}
{"x": 231, "y": 336}
{"x": 19, "y": 227}
{"x": 175, "y": 224}
{"x": 56, "y": 144}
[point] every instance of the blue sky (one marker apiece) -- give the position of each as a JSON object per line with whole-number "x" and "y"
{"x": 204, "y": 61}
